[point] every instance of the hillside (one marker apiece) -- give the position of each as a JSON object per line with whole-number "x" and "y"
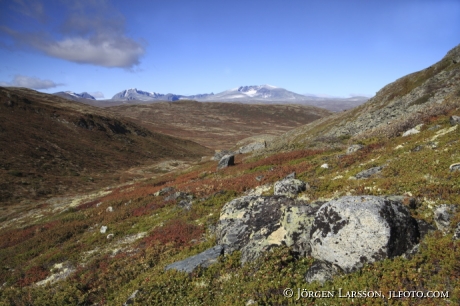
{"x": 219, "y": 125}
{"x": 51, "y": 146}
{"x": 398, "y": 106}
{"x": 354, "y": 211}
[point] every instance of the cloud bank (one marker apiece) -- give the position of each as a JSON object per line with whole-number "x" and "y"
{"x": 92, "y": 33}
{"x": 30, "y": 82}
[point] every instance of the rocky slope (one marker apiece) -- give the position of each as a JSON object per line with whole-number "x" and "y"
{"x": 396, "y": 107}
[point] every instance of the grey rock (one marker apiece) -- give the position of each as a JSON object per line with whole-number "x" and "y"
{"x": 185, "y": 204}
{"x": 321, "y": 271}
{"x": 417, "y": 148}
{"x": 291, "y": 175}
{"x": 454, "y": 167}
{"x": 424, "y": 228}
{"x": 109, "y": 209}
{"x": 110, "y": 236}
{"x": 369, "y": 172}
{"x": 289, "y": 187}
{"x": 412, "y": 252}
{"x": 434, "y": 127}
{"x": 457, "y": 232}
{"x": 164, "y": 191}
{"x": 131, "y": 298}
{"x": 178, "y": 195}
{"x": 259, "y": 178}
{"x": 204, "y": 259}
{"x": 252, "y": 147}
{"x": 354, "y": 230}
{"x": 443, "y": 216}
{"x": 219, "y": 154}
{"x": 225, "y": 161}
{"x": 103, "y": 229}
{"x": 254, "y": 224}
{"x": 353, "y": 148}
{"x": 454, "y": 120}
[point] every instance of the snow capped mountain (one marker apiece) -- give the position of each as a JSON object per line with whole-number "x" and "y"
{"x": 259, "y": 94}
{"x": 74, "y": 96}
{"x": 256, "y": 93}
{"x": 135, "y": 94}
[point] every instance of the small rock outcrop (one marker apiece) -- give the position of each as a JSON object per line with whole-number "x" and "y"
{"x": 252, "y": 147}
{"x": 354, "y": 230}
{"x": 413, "y": 131}
{"x": 353, "y": 148}
{"x": 204, "y": 259}
{"x": 454, "y": 167}
{"x": 443, "y": 216}
{"x": 289, "y": 187}
{"x": 369, "y": 172}
{"x": 225, "y": 161}
{"x": 131, "y": 298}
{"x": 457, "y": 232}
{"x": 454, "y": 120}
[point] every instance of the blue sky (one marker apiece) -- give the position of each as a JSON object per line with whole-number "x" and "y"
{"x": 337, "y": 48}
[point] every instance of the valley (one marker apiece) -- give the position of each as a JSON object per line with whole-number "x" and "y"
{"x": 116, "y": 205}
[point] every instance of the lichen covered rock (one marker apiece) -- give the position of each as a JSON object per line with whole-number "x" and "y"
{"x": 354, "y": 230}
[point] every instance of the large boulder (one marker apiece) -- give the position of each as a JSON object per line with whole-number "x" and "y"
{"x": 254, "y": 224}
{"x": 354, "y": 230}
{"x": 204, "y": 259}
{"x": 225, "y": 161}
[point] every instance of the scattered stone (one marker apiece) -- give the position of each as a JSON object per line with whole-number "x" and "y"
{"x": 443, "y": 216}
{"x": 354, "y": 230}
{"x": 321, "y": 271}
{"x": 417, "y": 148}
{"x": 250, "y": 302}
{"x": 457, "y": 232}
{"x": 164, "y": 191}
{"x": 179, "y": 195}
{"x": 454, "y": 120}
{"x": 103, "y": 229}
{"x": 109, "y": 209}
{"x": 225, "y": 161}
{"x": 131, "y": 298}
{"x": 291, "y": 175}
{"x": 369, "y": 172}
{"x": 289, "y": 187}
{"x": 454, "y": 167}
{"x": 98, "y": 204}
{"x": 413, "y": 131}
{"x": 204, "y": 259}
{"x": 110, "y": 236}
{"x": 325, "y": 166}
{"x": 259, "y": 178}
{"x": 354, "y": 148}
{"x": 252, "y": 147}
{"x": 185, "y": 204}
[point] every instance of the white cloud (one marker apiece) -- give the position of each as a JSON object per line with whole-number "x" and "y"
{"x": 92, "y": 33}
{"x": 30, "y": 82}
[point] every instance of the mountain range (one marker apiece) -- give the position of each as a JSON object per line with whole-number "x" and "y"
{"x": 255, "y": 94}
